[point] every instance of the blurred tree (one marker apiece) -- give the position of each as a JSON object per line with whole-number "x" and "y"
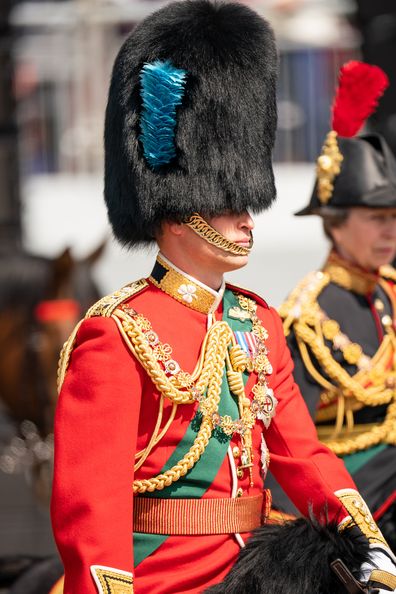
{"x": 377, "y": 23}
{"x": 10, "y": 219}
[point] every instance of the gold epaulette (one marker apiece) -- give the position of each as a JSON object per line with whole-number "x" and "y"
{"x": 388, "y": 272}
{"x": 104, "y": 307}
{"x": 302, "y": 301}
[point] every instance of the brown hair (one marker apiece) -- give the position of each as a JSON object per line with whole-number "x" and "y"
{"x": 333, "y": 218}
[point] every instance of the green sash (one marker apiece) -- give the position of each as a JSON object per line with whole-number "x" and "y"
{"x": 197, "y": 481}
{"x": 355, "y": 462}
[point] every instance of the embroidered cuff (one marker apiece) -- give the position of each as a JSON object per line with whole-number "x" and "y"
{"x": 112, "y": 581}
{"x": 361, "y": 516}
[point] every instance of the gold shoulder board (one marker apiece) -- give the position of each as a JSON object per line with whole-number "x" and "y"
{"x": 104, "y": 307}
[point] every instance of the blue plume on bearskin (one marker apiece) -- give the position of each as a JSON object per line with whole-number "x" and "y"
{"x": 162, "y": 89}
{"x": 294, "y": 557}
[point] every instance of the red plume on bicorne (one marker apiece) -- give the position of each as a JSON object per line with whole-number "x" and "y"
{"x": 360, "y": 87}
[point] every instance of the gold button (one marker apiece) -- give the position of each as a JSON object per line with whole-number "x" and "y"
{"x": 236, "y": 452}
{"x": 239, "y": 493}
{"x": 239, "y": 473}
{"x": 390, "y": 382}
{"x": 386, "y": 320}
{"x": 378, "y": 305}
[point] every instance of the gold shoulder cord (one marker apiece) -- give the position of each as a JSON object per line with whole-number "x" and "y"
{"x": 219, "y": 350}
{"x": 207, "y": 375}
{"x": 348, "y": 393}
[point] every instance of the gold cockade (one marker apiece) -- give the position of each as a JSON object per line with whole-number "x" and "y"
{"x": 328, "y": 166}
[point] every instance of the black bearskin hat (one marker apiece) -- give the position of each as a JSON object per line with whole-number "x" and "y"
{"x": 354, "y": 171}
{"x": 191, "y": 118}
{"x": 294, "y": 558}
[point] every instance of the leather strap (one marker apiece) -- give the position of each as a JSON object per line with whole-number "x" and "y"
{"x": 345, "y": 576}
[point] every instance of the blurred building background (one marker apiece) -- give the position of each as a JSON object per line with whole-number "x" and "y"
{"x": 55, "y": 62}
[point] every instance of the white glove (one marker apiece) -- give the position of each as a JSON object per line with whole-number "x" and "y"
{"x": 380, "y": 559}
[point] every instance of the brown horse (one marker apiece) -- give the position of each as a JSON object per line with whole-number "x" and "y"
{"x": 40, "y": 302}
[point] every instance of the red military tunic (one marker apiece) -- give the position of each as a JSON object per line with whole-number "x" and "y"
{"x": 107, "y": 410}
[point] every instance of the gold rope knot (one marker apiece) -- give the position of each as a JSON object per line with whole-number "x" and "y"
{"x": 238, "y": 357}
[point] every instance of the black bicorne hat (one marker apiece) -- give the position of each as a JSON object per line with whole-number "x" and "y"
{"x": 367, "y": 177}
{"x": 191, "y": 118}
{"x": 354, "y": 171}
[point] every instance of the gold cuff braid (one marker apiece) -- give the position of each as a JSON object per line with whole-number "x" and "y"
{"x": 204, "y": 230}
{"x": 112, "y": 581}
{"x": 361, "y": 515}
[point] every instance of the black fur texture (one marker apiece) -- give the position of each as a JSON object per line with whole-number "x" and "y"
{"x": 294, "y": 558}
{"x": 225, "y": 126}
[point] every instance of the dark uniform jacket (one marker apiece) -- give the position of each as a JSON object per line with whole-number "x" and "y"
{"x": 339, "y": 324}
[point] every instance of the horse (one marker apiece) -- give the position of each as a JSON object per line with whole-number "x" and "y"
{"x": 41, "y": 300}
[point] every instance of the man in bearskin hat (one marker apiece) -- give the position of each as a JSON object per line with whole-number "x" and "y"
{"x": 340, "y": 321}
{"x": 176, "y": 390}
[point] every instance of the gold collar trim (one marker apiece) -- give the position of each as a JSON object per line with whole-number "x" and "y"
{"x": 184, "y": 288}
{"x": 349, "y": 277}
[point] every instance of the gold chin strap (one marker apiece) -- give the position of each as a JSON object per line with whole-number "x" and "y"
{"x": 204, "y": 230}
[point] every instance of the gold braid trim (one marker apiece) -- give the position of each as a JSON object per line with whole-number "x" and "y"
{"x": 302, "y": 311}
{"x": 337, "y": 373}
{"x": 204, "y": 230}
{"x": 361, "y": 515}
{"x": 112, "y": 581}
{"x": 348, "y": 386}
{"x": 104, "y": 307}
{"x": 219, "y": 351}
{"x": 205, "y": 367}
{"x": 388, "y": 272}
{"x": 65, "y": 354}
{"x": 302, "y": 300}
{"x": 210, "y": 368}
{"x": 384, "y": 433}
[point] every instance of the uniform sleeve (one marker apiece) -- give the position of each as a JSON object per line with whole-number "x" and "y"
{"x": 307, "y": 471}
{"x": 95, "y": 436}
